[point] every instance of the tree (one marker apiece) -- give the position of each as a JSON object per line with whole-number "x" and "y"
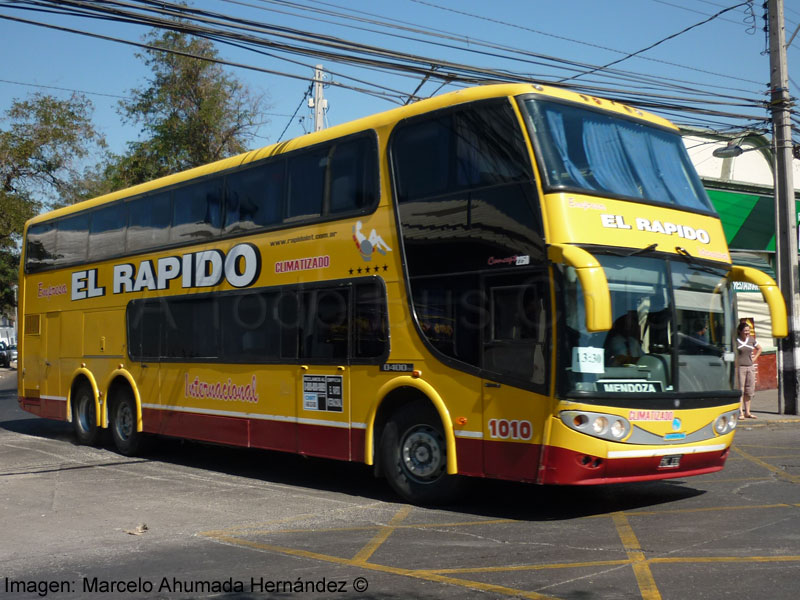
{"x": 40, "y": 152}
{"x": 9, "y": 263}
{"x": 191, "y": 112}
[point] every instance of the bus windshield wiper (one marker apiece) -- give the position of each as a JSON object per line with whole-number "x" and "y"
{"x": 649, "y": 248}
{"x": 633, "y": 252}
{"x": 693, "y": 260}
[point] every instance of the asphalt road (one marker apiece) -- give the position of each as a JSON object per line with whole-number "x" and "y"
{"x": 199, "y": 521}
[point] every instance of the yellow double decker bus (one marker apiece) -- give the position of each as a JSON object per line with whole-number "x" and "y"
{"x": 502, "y": 282}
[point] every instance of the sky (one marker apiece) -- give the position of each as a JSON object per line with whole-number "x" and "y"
{"x": 724, "y": 55}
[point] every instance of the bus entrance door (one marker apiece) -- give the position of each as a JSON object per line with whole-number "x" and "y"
{"x": 516, "y": 342}
{"x": 52, "y": 364}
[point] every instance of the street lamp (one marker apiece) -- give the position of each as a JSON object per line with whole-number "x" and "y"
{"x": 730, "y": 150}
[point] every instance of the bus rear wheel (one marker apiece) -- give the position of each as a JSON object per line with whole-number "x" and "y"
{"x": 413, "y": 454}
{"x": 127, "y": 440}
{"x": 84, "y": 415}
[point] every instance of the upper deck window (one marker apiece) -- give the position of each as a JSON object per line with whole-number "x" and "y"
{"x": 594, "y": 152}
{"x": 333, "y": 180}
{"x": 466, "y": 192}
{"x": 107, "y": 231}
{"x": 197, "y": 210}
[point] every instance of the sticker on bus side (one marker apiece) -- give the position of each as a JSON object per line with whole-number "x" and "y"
{"x": 322, "y": 392}
{"x": 367, "y": 246}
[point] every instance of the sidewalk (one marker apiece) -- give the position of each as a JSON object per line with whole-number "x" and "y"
{"x": 765, "y": 405}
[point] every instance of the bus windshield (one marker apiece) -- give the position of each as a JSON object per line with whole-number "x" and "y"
{"x": 592, "y": 152}
{"x": 672, "y": 330}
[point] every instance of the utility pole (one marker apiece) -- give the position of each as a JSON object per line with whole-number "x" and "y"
{"x": 317, "y": 101}
{"x": 785, "y": 210}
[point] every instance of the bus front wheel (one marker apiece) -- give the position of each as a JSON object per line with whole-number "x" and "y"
{"x": 413, "y": 454}
{"x": 84, "y": 415}
{"x": 127, "y": 440}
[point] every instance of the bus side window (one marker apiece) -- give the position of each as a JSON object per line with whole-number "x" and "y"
{"x": 254, "y": 196}
{"x": 40, "y": 252}
{"x": 422, "y": 153}
{"x": 353, "y": 170}
{"x": 145, "y": 318}
{"x": 371, "y": 328}
{"x": 325, "y": 324}
{"x": 107, "y": 231}
{"x": 150, "y": 218}
{"x": 72, "y": 239}
{"x": 192, "y": 331}
{"x": 197, "y": 210}
{"x": 306, "y": 184}
{"x": 517, "y": 341}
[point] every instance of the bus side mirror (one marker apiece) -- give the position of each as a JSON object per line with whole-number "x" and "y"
{"x": 772, "y": 296}
{"x": 596, "y": 296}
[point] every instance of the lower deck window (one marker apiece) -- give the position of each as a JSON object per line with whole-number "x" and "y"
{"x": 344, "y": 321}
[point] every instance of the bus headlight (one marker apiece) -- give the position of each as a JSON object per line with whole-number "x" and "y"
{"x": 726, "y": 422}
{"x": 618, "y": 429}
{"x": 602, "y": 425}
{"x": 721, "y": 424}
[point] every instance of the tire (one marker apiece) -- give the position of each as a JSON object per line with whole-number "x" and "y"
{"x": 84, "y": 415}
{"x": 127, "y": 440}
{"x": 413, "y": 454}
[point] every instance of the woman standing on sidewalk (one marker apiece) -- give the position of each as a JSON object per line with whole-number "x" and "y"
{"x": 748, "y": 351}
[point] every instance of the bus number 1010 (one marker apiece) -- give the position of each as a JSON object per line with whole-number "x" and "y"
{"x": 514, "y": 430}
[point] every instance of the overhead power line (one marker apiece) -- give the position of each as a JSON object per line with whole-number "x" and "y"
{"x": 661, "y": 41}
{"x": 700, "y": 103}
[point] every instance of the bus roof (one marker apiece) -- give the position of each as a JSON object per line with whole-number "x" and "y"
{"x": 375, "y": 121}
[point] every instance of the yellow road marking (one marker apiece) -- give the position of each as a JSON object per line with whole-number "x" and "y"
{"x": 376, "y": 542}
{"x": 250, "y": 531}
{"x": 612, "y": 563}
{"x": 475, "y": 585}
{"x": 636, "y": 557}
{"x": 778, "y": 456}
{"x": 641, "y": 568}
{"x": 738, "y": 445}
{"x": 501, "y": 569}
{"x": 725, "y": 559}
{"x": 777, "y": 470}
{"x": 677, "y": 511}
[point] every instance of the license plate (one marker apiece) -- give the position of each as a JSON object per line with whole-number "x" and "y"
{"x": 670, "y": 462}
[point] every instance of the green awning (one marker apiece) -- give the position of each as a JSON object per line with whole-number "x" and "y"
{"x": 748, "y": 219}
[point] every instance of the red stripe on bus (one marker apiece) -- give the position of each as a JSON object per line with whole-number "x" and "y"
{"x": 358, "y": 437}
{"x": 324, "y": 441}
{"x": 313, "y": 440}
{"x": 31, "y": 405}
{"x": 273, "y": 435}
{"x": 511, "y": 460}
{"x": 44, "y": 407}
{"x": 469, "y": 452}
{"x": 206, "y": 428}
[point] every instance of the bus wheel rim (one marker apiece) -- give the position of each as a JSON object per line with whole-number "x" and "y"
{"x": 124, "y": 421}
{"x": 422, "y": 454}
